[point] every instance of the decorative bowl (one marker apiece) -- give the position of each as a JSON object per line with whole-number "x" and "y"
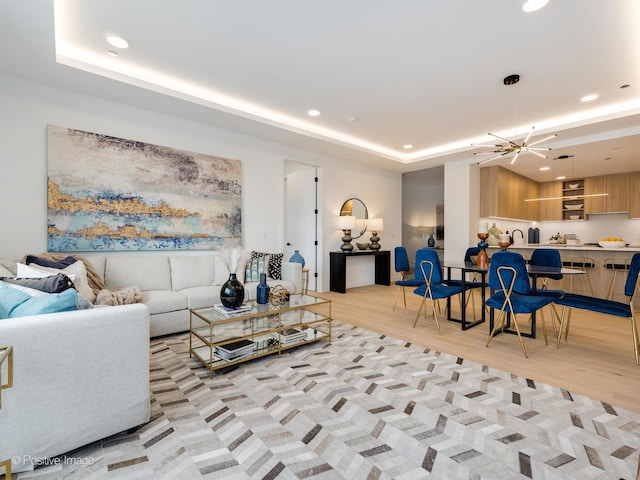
{"x": 574, "y": 207}
{"x": 608, "y": 244}
{"x": 573, "y": 186}
{"x": 574, "y": 217}
{"x": 362, "y": 246}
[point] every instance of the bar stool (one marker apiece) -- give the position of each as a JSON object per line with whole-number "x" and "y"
{"x": 579, "y": 263}
{"x": 616, "y": 265}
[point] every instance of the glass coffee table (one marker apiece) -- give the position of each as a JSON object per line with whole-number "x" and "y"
{"x": 218, "y": 340}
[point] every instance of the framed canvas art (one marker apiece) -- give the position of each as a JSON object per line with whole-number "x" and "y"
{"x": 108, "y": 193}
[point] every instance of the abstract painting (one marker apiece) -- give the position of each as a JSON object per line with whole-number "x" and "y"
{"x": 108, "y": 193}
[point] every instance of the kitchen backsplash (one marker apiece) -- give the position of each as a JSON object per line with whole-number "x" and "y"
{"x": 590, "y": 231}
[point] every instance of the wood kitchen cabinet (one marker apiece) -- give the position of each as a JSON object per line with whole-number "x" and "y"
{"x": 550, "y": 210}
{"x": 634, "y": 195}
{"x": 502, "y": 194}
{"x": 616, "y": 187}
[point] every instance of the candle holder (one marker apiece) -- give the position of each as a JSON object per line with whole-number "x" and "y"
{"x": 504, "y": 245}
{"x": 483, "y": 258}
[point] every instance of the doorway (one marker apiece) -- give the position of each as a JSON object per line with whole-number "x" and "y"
{"x": 301, "y": 229}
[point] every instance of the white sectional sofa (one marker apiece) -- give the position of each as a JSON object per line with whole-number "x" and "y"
{"x": 78, "y": 377}
{"x": 171, "y": 285}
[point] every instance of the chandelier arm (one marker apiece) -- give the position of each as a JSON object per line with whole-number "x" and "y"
{"x": 490, "y": 153}
{"x": 485, "y": 145}
{"x": 516, "y": 157}
{"x": 492, "y": 158}
{"x": 538, "y": 154}
{"x": 504, "y": 139}
{"x": 543, "y": 140}
{"x": 528, "y": 136}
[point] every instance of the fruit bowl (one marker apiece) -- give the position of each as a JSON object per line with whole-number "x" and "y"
{"x": 612, "y": 244}
{"x": 362, "y": 246}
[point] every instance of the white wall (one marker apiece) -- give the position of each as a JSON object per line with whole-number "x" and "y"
{"x": 28, "y": 107}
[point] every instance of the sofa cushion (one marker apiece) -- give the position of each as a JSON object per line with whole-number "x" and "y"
{"x": 161, "y": 301}
{"x": 275, "y": 266}
{"x": 204, "y": 296}
{"x": 192, "y": 271}
{"x": 97, "y": 263}
{"x": 5, "y": 272}
{"x": 149, "y": 272}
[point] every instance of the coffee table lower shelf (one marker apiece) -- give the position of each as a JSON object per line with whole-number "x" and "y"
{"x": 211, "y": 360}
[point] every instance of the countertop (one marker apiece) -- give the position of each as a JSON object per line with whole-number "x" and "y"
{"x": 630, "y": 248}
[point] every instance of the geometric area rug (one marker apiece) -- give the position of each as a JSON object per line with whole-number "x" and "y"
{"x": 365, "y": 406}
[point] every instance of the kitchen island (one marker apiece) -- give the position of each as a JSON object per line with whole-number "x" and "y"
{"x": 599, "y": 275}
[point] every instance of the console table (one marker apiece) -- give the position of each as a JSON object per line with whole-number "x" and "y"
{"x": 338, "y": 268}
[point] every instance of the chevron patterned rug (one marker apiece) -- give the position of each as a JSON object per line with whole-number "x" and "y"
{"x": 366, "y": 406}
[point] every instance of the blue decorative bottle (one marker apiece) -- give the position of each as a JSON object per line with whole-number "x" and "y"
{"x": 262, "y": 293}
{"x": 297, "y": 258}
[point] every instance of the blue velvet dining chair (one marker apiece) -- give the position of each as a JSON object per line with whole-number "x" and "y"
{"x": 401, "y": 262}
{"x": 428, "y": 270}
{"x": 608, "y": 307}
{"x": 509, "y": 279}
{"x": 547, "y": 257}
{"x": 473, "y": 282}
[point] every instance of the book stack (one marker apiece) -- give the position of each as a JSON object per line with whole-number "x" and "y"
{"x": 291, "y": 336}
{"x": 234, "y": 350}
{"x": 232, "y": 312}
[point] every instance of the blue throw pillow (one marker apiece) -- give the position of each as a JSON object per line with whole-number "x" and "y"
{"x": 10, "y": 298}
{"x": 51, "y": 303}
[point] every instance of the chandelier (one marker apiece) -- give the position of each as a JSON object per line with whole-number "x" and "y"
{"x": 510, "y": 147}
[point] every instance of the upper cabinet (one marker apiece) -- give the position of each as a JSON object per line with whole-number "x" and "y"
{"x": 634, "y": 195}
{"x": 550, "y": 210}
{"x": 503, "y": 194}
{"x": 616, "y": 187}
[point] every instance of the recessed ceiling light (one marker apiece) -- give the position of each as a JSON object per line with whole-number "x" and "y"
{"x": 116, "y": 41}
{"x": 561, "y": 177}
{"x": 112, "y": 53}
{"x": 313, "y": 113}
{"x": 626, "y": 85}
{"x": 351, "y": 118}
{"x": 544, "y": 169}
{"x": 407, "y": 146}
{"x": 589, "y": 98}
{"x": 533, "y": 5}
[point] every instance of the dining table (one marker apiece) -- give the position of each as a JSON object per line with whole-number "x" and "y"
{"x": 470, "y": 267}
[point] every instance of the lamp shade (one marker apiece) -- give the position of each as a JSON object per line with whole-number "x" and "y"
{"x": 375, "y": 225}
{"x": 346, "y": 222}
{"x": 425, "y": 230}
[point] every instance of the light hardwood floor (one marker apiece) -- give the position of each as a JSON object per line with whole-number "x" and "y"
{"x": 597, "y": 360}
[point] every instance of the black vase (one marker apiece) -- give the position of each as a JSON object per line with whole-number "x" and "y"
{"x": 232, "y": 292}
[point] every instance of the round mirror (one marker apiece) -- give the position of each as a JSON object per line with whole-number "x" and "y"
{"x": 357, "y": 208}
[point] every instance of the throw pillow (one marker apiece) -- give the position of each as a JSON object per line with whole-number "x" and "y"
{"x": 10, "y": 299}
{"x": 275, "y": 266}
{"x": 5, "y": 273}
{"x": 51, "y": 303}
{"x": 52, "y": 284}
{"x": 76, "y": 271}
{"x": 259, "y": 263}
{"x": 43, "y": 262}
